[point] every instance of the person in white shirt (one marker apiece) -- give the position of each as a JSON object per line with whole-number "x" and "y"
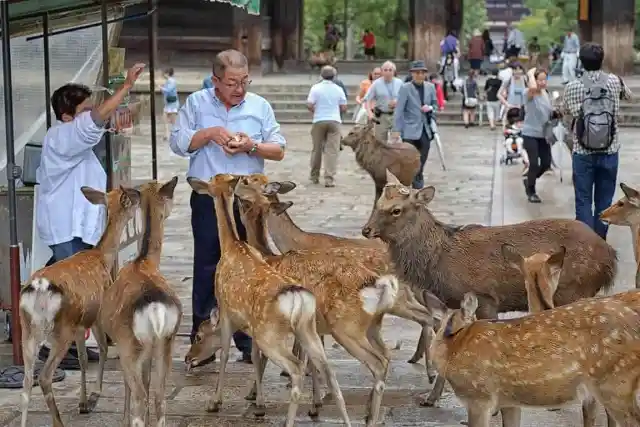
{"x": 326, "y": 101}
{"x": 66, "y": 221}
{"x": 570, "y": 57}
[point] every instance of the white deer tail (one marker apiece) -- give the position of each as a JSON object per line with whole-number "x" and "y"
{"x": 41, "y": 299}
{"x": 155, "y": 316}
{"x": 381, "y": 295}
{"x": 298, "y": 304}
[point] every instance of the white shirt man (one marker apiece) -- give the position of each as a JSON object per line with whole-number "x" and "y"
{"x": 327, "y": 101}
{"x": 570, "y": 57}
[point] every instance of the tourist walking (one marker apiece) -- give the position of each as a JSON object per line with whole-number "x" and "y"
{"x": 171, "y": 102}
{"x": 207, "y": 131}
{"x": 513, "y": 92}
{"x": 469, "y": 99}
{"x": 327, "y": 101}
{"x": 360, "y": 115}
{"x": 491, "y": 89}
{"x": 475, "y": 53}
{"x": 417, "y": 105}
{"x": 449, "y": 72}
{"x": 515, "y": 43}
{"x": 570, "y": 57}
{"x": 369, "y": 43}
{"x": 595, "y": 144}
{"x": 537, "y": 113}
{"x": 381, "y": 100}
{"x": 489, "y": 49}
{"x": 449, "y": 46}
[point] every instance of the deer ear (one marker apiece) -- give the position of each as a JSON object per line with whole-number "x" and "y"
{"x": 438, "y": 308}
{"x": 286, "y": 186}
{"x": 279, "y": 208}
{"x": 555, "y": 263}
{"x": 243, "y": 191}
{"x": 511, "y": 255}
{"x": 96, "y": 197}
{"x": 392, "y": 179}
{"x": 198, "y": 185}
{"x": 469, "y": 305}
{"x": 631, "y": 194}
{"x": 271, "y": 188}
{"x": 425, "y": 195}
{"x": 168, "y": 188}
{"x": 132, "y": 196}
{"x": 214, "y": 317}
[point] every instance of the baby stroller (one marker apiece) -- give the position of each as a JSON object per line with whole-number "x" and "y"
{"x": 513, "y": 142}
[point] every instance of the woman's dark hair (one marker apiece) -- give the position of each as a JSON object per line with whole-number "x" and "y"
{"x": 540, "y": 71}
{"x": 65, "y": 99}
{"x": 433, "y": 76}
{"x": 169, "y": 72}
{"x": 370, "y": 75}
{"x": 591, "y": 56}
{"x": 471, "y": 74}
{"x": 485, "y": 35}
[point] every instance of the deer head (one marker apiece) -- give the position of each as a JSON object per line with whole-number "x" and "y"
{"x": 625, "y": 211}
{"x": 541, "y": 275}
{"x": 120, "y": 202}
{"x": 359, "y": 134}
{"x": 256, "y": 191}
{"x": 160, "y": 196}
{"x": 398, "y": 206}
{"x": 207, "y": 341}
{"x": 223, "y": 183}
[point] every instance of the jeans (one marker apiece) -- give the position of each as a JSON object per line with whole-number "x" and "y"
{"x": 206, "y": 254}
{"x": 594, "y": 183}
{"x": 539, "y": 154}
{"x": 67, "y": 249}
{"x": 423, "y": 145}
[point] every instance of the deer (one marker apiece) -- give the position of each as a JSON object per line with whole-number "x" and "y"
{"x": 541, "y": 273}
{"x": 270, "y": 307}
{"x": 448, "y": 264}
{"x": 626, "y": 212}
{"x": 141, "y": 312}
{"x": 60, "y": 302}
{"x": 264, "y": 200}
{"x": 592, "y": 345}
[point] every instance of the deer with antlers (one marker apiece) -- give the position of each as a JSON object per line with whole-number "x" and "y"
{"x": 270, "y": 307}
{"x": 60, "y": 302}
{"x": 626, "y": 211}
{"x": 141, "y": 312}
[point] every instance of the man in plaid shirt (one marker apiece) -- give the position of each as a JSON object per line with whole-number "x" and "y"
{"x": 594, "y": 172}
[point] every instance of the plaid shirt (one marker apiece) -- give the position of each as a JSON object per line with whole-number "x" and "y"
{"x": 574, "y": 94}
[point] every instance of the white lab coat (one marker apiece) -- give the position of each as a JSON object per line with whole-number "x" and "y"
{"x": 67, "y": 164}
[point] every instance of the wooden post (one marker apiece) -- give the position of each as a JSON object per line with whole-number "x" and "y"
{"x": 584, "y": 21}
{"x": 300, "y": 25}
{"x": 429, "y": 29}
{"x": 239, "y": 37}
{"x": 277, "y": 33}
{"x": 254, "y": 44}
{"x": 290, "y": 26}
{"x": 454, "y": 13}
{"x": 613, "y": 26}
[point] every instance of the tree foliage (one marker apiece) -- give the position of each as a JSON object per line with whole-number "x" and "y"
{"x": 549, "y": 20}
{"x": 474, "y": 17}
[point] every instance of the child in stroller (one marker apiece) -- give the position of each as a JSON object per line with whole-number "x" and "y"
{"x": 513, "y": 139}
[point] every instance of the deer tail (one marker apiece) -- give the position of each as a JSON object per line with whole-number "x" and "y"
{"x": 381, "y": 295}
{"x": 298, "y": 304}
{"x": 41, "y": 299}
{"x": 155, "y": 316}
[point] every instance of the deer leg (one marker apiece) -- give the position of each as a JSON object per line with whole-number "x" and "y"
{"x": 83, "y": 406}
{"x": 283, "y": 357}
{"x": 314, "y": 348}
{"x": 259, "y": 363}
{"x": 226, "y": 330}
{"x": 436, "y": 392}
{"x": 30, "y": 347}
{"x": 611, "y": 422}
{"x": 127, "y": 403}
{"x": 59, "y": 347}
{"x": 145, "y": 367}
{"x": 511, "y": 417}
{"x": 479, "y": 415}
{"x": 163, "y": 352}
{"x": 103, "y": 347}
{"x": 135, "y": 384}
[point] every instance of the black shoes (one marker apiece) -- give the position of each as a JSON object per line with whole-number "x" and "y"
{"x": 532, "y": 197}
{"x": 70, "y": 361}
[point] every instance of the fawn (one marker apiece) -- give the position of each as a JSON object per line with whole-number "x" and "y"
{"x": 626, "y": 211}
{"x": 501, "y": 364}
{"x": 60, "y": 302}
{"x": 255, "y": 298}
{"x": 141, "y": 312}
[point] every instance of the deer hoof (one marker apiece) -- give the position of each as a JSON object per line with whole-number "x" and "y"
{"x": 213, "y": 406}
{"x": 427, "y": 401}
{"x": 314, "y": 411}
{"x": 414, "y": 359}
{"x": 259, "y": 411}
{"x": 285, "y": 374}
{"x": 251, "y": 396}
{"x": 431, "y": 378}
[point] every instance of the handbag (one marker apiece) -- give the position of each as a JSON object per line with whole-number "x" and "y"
{"x": 469, "y": 102}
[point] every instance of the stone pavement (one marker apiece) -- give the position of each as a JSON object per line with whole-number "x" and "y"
{"x": 464, "y": 195}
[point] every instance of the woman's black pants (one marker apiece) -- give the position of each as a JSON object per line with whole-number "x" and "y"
{"x": 539, "y": 152}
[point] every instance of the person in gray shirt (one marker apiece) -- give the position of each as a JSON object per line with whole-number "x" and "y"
{"x": 537, "y": 112}
{"x": 570, "y": 57}
{"x": 381, "y": 100}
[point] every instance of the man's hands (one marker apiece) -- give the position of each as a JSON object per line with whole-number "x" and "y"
{"x": 426, "y": 108}
{"x": 133, "y": 74}
{"x": 393, "y": 103}
{"x": 230, "y": 143}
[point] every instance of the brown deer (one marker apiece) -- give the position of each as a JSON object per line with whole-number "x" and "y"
{"x": 541, "y": 276}
{"x": 141, "y": 312}
{"x": 268, "y": 306}
{"x": 376, "y": 157}
{"x": 60, "y": 302}
{"x": 626, "y": 211}
{"x": 430, "y": 257}
{"x": 373, "y": 256}
{"x": 591, "y": 347}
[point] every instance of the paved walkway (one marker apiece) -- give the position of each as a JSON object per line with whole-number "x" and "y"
{"x": 464, "y": 195}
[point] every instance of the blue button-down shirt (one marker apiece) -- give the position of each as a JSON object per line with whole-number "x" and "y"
{"x": 207, "y": 83}
{"x": 253, "y": 116}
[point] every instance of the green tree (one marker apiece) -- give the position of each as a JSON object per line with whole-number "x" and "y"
{"x": 549, "y": 20}
{"x": 474, "y": 17}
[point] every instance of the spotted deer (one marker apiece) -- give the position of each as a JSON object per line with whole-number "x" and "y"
{"x": 541, "y": 276}
{"x": 579, "y": 352}
{"x": 449, "y": 264}
{"x": 270, "y": 307}
{"x": 60, "y": 302}
{"x": 141, "y": 312}
{"x": 626, "y": 211}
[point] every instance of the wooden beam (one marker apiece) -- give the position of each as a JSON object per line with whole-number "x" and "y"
{"x": 429, "y": 28}
{"x": 613, "y": 26}
{"x": 455, "y": 14}
{"x": 254, "y": 44}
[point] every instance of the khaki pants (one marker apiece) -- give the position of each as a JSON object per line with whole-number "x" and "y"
{"x": 382, "y": 129}
{"x": 325, "y": 136}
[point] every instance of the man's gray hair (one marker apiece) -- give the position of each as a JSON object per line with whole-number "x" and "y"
{"x": 230, "y": 58}
{"x": 327, "y": 72}
{"x": 390, "y": 64}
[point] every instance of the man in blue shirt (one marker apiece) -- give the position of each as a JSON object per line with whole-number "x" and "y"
{"x": 207, "y": 83}
{"x": 207, "y": 124}
{"x": 326, "y": 101}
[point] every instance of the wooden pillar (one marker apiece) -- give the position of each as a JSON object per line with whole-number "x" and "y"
{"x": 584, "y": 21}
{"x": 278, "y": 33}
{"x": 239, "y": 35}
{"x": 429, "y": 28}
{"x": 454, "y": 14}
{"x": 300, "y": 28}
{"x": 612, "y": 24}
{"x": 254, "y": 44}
{"x": 290, "y": 28}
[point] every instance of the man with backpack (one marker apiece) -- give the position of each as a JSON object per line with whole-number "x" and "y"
{"x": 594, "y": 103}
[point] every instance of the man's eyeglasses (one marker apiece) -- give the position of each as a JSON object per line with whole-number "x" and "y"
{"x": 237, "y": 85}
